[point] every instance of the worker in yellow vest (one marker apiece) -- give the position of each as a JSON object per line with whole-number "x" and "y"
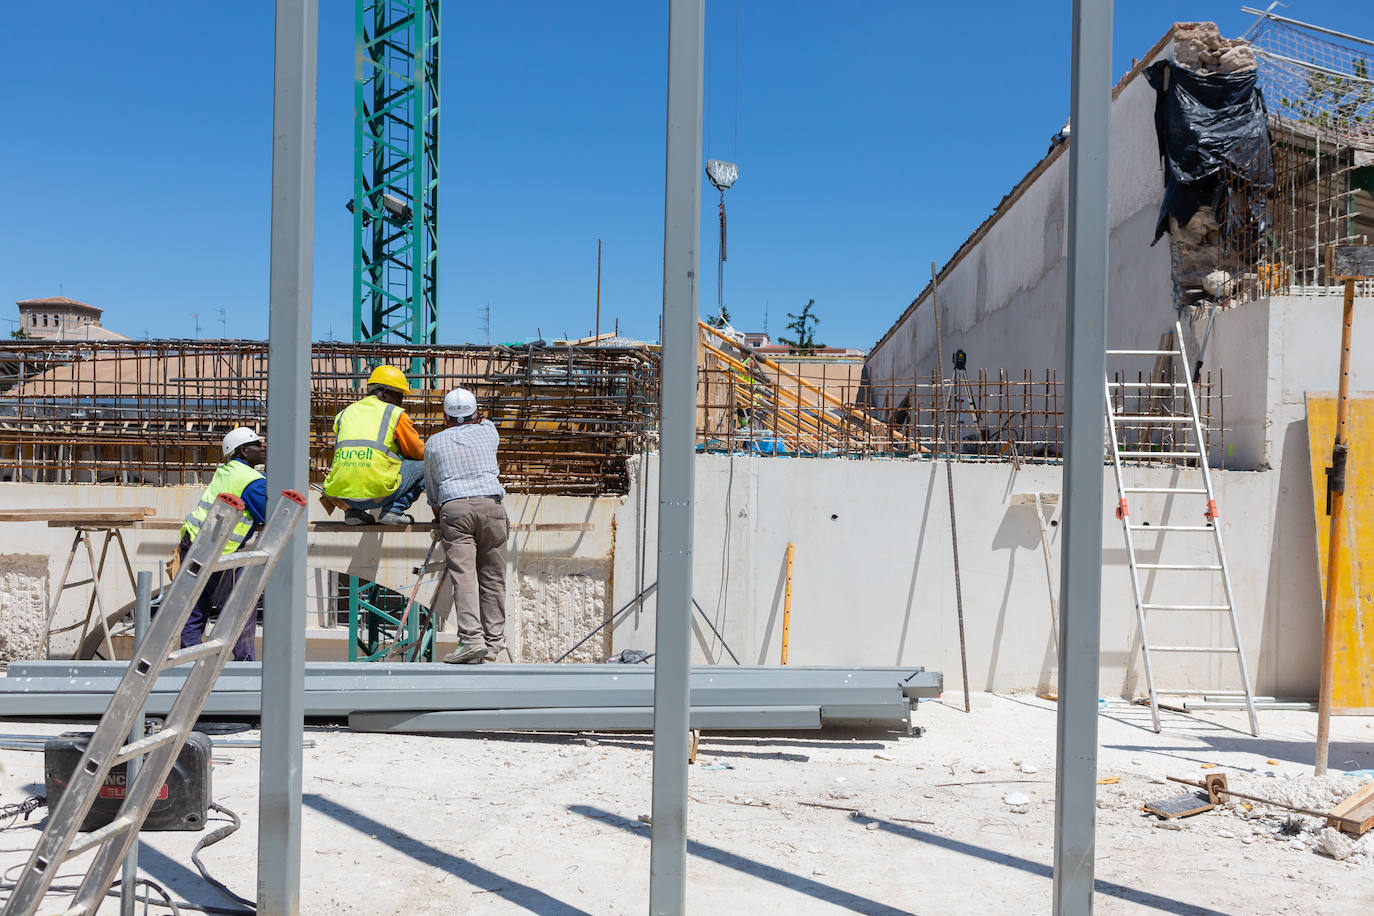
{"x": 379, "y": 459}
{"x": 238, "y": 476}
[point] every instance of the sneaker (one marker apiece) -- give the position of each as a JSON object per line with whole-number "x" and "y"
{"x": 493, "y": 653}
{"x": 472, "y": 654}
{"x": 396, "y": 518}
{"x": 358, "y": 517}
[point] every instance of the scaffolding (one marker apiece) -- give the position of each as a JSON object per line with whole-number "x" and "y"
{"x": 746, "y": 407}
{"x": 154, "y": 412}
{"x": 1271, "y": 233}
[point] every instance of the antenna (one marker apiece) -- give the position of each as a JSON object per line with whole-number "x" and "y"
{"x": 223, "y": 323}
{"x": 195, "y": 317}
{"x": 485, "y": 312}
{"x": 765, "y": 318}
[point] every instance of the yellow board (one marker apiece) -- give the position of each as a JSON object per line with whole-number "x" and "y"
{"x": 1352, "y": 681}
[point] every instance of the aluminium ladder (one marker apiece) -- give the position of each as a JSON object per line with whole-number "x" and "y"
{"x": 109, "y": 745}
{"x": 1216, "y": 565}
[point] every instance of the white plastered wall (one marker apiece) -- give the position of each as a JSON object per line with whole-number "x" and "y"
{"x": 1003, "y": 302}
{"x": 873, "y": 581}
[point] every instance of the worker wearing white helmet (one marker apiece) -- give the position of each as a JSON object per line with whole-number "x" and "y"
{"x": 463, "y": 485}
{"x": 244, "y": 450}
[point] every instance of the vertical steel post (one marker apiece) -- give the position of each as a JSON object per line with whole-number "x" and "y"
{"x": 1081, "y": 570}
{"x": 288, "y": 451}
{"x": 681, "y": 270}
{"x": 143, "y": 609}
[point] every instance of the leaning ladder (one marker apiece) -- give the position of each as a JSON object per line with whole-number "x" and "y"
{"x": 109, "y": 745}
{"x": 1215, "y": 566}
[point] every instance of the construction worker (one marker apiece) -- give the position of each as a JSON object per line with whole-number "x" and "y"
{"x": 378, "y": 457}
{"x": 238, "y": 476}
{"x": 463, "y": 486}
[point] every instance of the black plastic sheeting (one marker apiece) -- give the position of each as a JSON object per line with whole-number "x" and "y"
{"x": 1213, "y": 129}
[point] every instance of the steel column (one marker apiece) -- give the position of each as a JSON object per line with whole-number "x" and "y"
{"x": 143, "y": 609}
{"x": 288, "y": 400}
{"x": 681, "y": 270}
{"x": 1081, "y": 572}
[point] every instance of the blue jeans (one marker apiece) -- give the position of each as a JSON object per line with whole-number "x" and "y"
{"x": 193, "y": 633}
{"x": 412, "y": 482}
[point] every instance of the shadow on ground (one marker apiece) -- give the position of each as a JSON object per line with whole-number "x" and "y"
{"x": 508, "y": 889}
{"x": 861, "y": 904}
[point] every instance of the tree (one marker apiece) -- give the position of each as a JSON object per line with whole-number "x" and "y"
{"x": 1335, "y": 102}
{"x": 721, "y": 320}
{"x": 19, "y": 334}
{"x": 804, "y": 327}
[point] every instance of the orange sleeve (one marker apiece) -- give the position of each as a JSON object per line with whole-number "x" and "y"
{"x": 408, "y": 441}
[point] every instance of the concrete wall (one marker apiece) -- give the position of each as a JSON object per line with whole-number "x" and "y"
{"x": 873, "y": 581}
{"x": 1003, "y": 301}
{"x": 23, "y": 605}
{"x": 1272, "y": 352}
{"x": 569, "y": 571}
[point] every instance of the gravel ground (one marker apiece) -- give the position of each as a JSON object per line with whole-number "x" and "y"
{"x": 959, "y": 820}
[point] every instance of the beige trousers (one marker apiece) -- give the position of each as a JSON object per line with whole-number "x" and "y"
{"x": 474, "y": 532}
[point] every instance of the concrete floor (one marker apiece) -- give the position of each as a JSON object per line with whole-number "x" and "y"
{"x": 550, "y": 824}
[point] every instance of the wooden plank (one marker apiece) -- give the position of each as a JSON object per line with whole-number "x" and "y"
{"x": 1350, "y": 262}
{"x": 1356, "y": 813}
{"x": 1180, "y": 805}
{"x": 114, "y": 513}
{"x": 1352, "y": 682}
{"x": 427, "y": 527}
{"x": 168, "y": 524}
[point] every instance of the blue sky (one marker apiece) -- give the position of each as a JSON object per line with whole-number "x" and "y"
{"x": 872, "y": 138}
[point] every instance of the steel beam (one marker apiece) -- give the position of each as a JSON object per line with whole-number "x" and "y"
{"x": 593, "y": 718}
{"x": 143, "y": 605}
{"x": 1081, "y": 573}
{"x": 291, "y": 274}
{"x": 677, "y": 451}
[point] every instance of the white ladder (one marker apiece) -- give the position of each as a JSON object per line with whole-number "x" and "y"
{"x": 1212, "y": 565}
{"x": 109, "y": 746}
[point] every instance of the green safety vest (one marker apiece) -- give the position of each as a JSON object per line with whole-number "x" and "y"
{"x": 232, "y": 477}
{"x": 366, "y": 465}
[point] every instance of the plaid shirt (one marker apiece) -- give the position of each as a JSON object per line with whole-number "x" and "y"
{"x": 460, "y": 461}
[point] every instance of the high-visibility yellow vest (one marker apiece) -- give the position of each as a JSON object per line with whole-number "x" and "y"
{"x": 366, "y": 465}
{"x": 232, "y": 477}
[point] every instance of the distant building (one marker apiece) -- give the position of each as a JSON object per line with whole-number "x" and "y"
{"x": 60, "y": 318}
{"x": 765, "y": 346}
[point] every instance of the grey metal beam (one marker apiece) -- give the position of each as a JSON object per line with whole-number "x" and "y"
{"x": 380, "y": 677}
{"x": 1081, "y": 569}
{"x": 291, "y": 275}
{"x": 80, "y": 670}
{"x": 597, "y": 718}
{"x": 143, "y": 605}
{"x": 677, "y": 450}
{"x": 419, "y": 694}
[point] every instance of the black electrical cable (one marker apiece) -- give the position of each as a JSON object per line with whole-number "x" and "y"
{"x": 25, "y": 807}
{"x": 167, "y": 902}
{"x": 211, "y": 839}
{"x": 246, "y": 907}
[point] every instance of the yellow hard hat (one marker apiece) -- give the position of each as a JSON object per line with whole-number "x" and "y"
{"x": 391, "y": 377}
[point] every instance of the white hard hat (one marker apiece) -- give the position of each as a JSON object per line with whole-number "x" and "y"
{"x": 238, "y": 437}
{"x": 460, "y": 404}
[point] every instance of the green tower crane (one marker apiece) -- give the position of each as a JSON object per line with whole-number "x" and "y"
{"x": 395, "y": 207}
